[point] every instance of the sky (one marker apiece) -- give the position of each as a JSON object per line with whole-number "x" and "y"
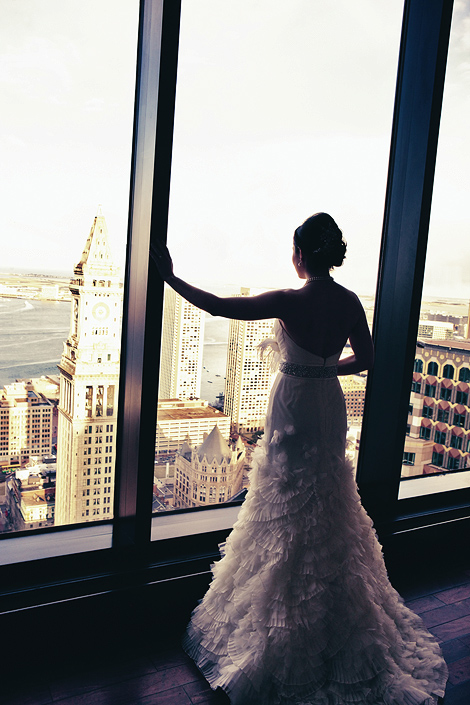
{"x": 283, "y": 110}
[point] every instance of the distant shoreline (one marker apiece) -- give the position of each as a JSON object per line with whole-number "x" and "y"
{"x": 39, "y": 287}
{"x": 30, "y": 284}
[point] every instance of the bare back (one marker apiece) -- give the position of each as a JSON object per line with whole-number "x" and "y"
{"x": 322, "y": 316}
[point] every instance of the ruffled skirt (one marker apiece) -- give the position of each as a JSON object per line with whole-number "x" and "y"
{"x": 300, "y": 609}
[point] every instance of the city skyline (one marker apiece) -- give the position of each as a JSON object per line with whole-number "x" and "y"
{"x": 190, "y": 419}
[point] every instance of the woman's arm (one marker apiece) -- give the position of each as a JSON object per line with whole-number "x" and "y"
{"x": 361, "y": 343}
{"x": 272, "y": 304}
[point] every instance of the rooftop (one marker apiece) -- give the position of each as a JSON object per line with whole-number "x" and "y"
{"x": 201, "y": 412}
{"x": 448, "y": 344}
{"x": 214, "y": 446}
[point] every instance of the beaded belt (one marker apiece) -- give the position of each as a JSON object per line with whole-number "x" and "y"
{"x": 316, "y": 372}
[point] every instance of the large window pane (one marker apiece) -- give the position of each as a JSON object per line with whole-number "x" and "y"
{"x": 68, "y": 76}
{"x": 282, "y": 110}
{"x": 437, "y": 448}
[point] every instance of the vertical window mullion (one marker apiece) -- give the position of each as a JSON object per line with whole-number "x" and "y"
{"x": 418, "y": 101}
{"x": 143, "y": 295}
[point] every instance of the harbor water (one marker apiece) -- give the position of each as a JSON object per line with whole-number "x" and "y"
{"x": 32, "y": 334}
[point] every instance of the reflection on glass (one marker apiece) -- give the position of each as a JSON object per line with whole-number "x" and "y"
{"x": 278, "y": 115}
{"x": 437, "y": 445}
{"x": 67, "y": 135}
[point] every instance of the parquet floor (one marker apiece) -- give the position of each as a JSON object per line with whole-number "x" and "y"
{"x": 163, "y": 675}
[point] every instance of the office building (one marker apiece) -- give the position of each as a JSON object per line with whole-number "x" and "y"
{"x": 189, "y": 420}
{"x": 89, "y": 376}
{"x": 436, "y": 329}
{"x": 438, "y": 433}
{"x": 26, "y": 419}
{"x": 248, "y": 378}
{"x": 182, "y": 347}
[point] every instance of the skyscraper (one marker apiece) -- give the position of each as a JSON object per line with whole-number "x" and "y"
{"x": 89, "y": 376}
{"x": 182, "y": 347}
{"x": 248, "y": 379}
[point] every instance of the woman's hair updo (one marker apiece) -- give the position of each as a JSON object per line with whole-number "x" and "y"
{"x": 321, "y": 241}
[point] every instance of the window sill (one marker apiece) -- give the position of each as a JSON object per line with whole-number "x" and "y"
{"x": 434, "y": 484}
{"x": 83, "y": 539}
{"x": 52, "y": 544}
{"x": 172, "y": 525}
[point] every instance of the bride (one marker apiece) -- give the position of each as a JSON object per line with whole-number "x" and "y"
{"x": 300, "y": 609}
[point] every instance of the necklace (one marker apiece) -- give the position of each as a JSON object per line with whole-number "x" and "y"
{"x": 317, "y": 279}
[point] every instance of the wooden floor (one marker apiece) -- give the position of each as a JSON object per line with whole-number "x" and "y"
{"x": 165, "y": 676}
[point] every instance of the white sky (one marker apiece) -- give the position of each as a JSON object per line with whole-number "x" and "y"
{"x": 283, "y": 109}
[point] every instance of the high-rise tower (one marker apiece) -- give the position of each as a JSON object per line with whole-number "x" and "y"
{"x": 182, "y": 347}
{"x": 248, "y": 379}
{"x": 89, "y": 376}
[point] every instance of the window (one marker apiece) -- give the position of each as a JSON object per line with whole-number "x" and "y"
{"x": 399, "y": 280}
{"x": 444, "y": 345}
{"x": 425, "y": 433}
{"x": 437, "y": 459}
{"x": 408, "y": 458}
{"x": 430, "y": 390}
{"x": 448, "y": 372}
{"x": 443, "y": 415}
{"x": 418, "y": 366}
{"x": 464, "y": 374}
{"x": 461, "y": 397}
{"x": 456, "y": 442}
{"x": 445, "y": 393}
{"x": 428, "y": 412}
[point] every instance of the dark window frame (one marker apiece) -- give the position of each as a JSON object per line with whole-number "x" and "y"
{"x": 464, "y": 374}
{"x": 445, "y": 393}
{"x": 425, "y": 433}
{"x": 447, "y": 370}
{"x": 420, "y": 84}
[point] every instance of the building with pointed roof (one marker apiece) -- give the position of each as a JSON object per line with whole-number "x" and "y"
{"x": 211, "y": 473}
{"x": 89, "y": 376}
{"x": 214, "y": 447}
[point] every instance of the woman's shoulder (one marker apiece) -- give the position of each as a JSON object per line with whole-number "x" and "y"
{"x": 349, "y": 294}
{"x": 336, "y": 293}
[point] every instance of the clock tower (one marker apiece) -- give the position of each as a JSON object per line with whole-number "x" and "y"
{"x": 89, "y": 378}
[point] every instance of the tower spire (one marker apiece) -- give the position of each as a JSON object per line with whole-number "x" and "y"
{"x": 89, "y": 378}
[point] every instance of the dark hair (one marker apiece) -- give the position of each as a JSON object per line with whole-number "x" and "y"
{"x": 321, "y": 241}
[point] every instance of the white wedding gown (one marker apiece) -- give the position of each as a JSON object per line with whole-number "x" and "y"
{"x": 300, "y": 609}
